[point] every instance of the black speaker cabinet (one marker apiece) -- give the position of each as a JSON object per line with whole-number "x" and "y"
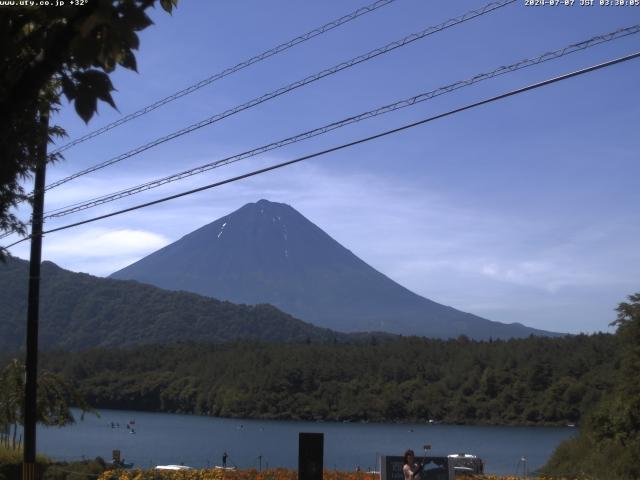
{"x": 310, "y": 456}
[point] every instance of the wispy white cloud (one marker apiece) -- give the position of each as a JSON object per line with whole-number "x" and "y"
{"x": 98, "y": 251}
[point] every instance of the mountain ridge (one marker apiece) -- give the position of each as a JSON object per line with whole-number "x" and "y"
{"x": 79, "y": 311}
{"x": 267, "y": 252}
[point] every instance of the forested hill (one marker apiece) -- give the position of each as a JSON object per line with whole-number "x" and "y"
{"x": 80, "y": 311}
{"x": 528, "y": 381}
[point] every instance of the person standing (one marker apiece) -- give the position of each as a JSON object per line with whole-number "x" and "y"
{"x": 411, "y": 469}
{"x": 224, "y": 459}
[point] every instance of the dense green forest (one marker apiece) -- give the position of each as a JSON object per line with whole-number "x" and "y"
{"x": 608, "y": 446}
{"x": 528, "y": 381}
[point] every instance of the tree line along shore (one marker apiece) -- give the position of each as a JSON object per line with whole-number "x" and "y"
{"x": 534, "y": 381}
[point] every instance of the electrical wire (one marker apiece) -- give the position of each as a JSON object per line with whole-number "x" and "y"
{"x": 276, "y": 93}
{"x": 228, "y": 71}
{"x": 348, "y": 145}
{"x": 575, "y": 47}
{"x": 389, "y": 47}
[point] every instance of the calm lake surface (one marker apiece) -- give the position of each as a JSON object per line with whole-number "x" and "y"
{"x": 198, "y": 441}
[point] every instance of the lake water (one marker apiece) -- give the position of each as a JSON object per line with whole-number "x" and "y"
{"x": 200, "y": 441}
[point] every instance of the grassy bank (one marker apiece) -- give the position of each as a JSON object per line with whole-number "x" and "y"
{"x": 10, "y": 455}
{"x": 11, "y": 467}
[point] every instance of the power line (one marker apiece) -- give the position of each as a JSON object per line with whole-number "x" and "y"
{"x": 575, "y": 47}
{"x": 228, "y": 71}
{"x": 350, "y": 144}
{"x": 276, "y": 93}
{"x": 431, "y": 30}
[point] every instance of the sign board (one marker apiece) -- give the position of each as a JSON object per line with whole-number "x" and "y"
{"x": 310, "y": 456}
{"x": 435, "y": 468}
{"x": 391, "y": 468}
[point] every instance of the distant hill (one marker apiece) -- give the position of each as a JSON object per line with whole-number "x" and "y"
{"x": 79, "y": 311}
{"x": 267, "y": 252}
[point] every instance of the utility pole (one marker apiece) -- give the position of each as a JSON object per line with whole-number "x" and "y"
{"x": 29, "y": 467}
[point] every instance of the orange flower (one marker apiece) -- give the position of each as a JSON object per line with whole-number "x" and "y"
{"x": 250, "y": 474}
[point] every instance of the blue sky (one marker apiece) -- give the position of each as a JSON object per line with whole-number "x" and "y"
{"x": 523, "y": 210}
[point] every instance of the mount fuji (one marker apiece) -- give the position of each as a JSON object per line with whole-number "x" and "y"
{"x": 267, "y": 252}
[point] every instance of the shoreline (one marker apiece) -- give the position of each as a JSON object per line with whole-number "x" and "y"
{"x": 420, "y": 422}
